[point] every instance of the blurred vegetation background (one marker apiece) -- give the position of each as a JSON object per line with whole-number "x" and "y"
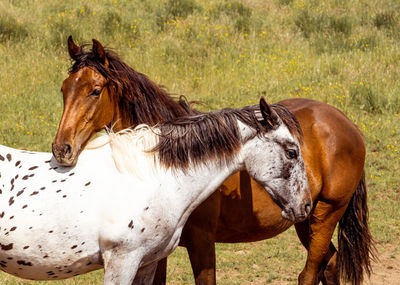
{"x": 226, "y": 54}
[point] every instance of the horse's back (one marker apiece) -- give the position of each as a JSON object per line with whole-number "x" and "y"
{"x": 324, "y": 116}
{"x": 333, "y": 149}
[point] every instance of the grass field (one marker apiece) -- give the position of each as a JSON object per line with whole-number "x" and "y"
{"x": 227, "y": 54}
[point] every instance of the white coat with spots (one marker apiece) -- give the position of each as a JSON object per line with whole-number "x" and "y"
{"x": 120, "y": 208}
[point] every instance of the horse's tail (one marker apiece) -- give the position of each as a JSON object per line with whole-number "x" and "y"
{"x": 356, "y": 245}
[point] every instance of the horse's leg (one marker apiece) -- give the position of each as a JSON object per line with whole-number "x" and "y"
{"x": 160, "y": 277}
{"x": 327, "y": 273}
{"x": 331, "y": 274}
{"x": 199, "y": 237}
{"x": 145, "y": 274}
{"x": 120, "y": 267}
{"x": 322, "y": 225}
{"x": 201, "y": 250}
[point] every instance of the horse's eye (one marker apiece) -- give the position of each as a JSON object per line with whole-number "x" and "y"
{"x": 96, "y": 92}
{"x": 291, "y": 153}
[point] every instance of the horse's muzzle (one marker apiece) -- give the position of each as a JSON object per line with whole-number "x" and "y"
{"x": 63, "y": 154}
{"x": 297, "y": 214}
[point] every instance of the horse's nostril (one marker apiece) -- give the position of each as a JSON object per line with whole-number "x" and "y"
{"x": 67, "y": 148}
{"x": 307, "y": 208}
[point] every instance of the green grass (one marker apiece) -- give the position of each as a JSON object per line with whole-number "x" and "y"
{"x": 258, "y": 263}
{"x": 227, "y": 54}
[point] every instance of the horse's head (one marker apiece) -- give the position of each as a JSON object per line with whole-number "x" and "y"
{"x": 88, "y": 103}
{"x": 274, "y": 159}
{"x": 102, "y": 91}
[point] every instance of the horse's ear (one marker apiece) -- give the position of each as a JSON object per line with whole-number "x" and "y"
{"x": 73, "y": 49}
{"x": 99, "y": 52}
{"x": 268, "y": 114}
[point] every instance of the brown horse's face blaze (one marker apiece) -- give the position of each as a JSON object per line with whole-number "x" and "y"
{"x": 86, "y": 96}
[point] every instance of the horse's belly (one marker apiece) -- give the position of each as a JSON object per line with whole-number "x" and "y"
{"x": 255, "y": 216}
{"x": 30, "y": 267}
{"x": 47, "y": 259}
{"x": 45, "y": 244}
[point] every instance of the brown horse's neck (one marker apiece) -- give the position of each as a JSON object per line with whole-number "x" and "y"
{"x": 126, "y": 114}
{"x": 141, "y": 101}
{"x": 120, "y": 122}
{"x": 136, "y": 99}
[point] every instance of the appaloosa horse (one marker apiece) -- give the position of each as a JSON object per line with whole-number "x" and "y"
{"x": 124, "y": 204}
{"x": 102, "y": 91}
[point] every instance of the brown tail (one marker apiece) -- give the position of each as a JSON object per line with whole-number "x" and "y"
{"x": 356, "y": 245}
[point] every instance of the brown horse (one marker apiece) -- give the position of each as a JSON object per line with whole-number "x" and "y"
{"x": 102, "y": 91}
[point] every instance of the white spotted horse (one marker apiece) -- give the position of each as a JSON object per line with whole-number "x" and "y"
{"x": 125, "y": 202}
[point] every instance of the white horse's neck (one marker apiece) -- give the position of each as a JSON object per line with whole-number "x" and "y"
{"x": 195, "y": 183}
{"x": 200, "y": 183}
{"x": 210, "y": 176}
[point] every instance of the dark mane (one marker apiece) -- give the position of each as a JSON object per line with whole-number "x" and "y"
{"x": 142, "y": 101}
{"x": 212, "y": 136}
